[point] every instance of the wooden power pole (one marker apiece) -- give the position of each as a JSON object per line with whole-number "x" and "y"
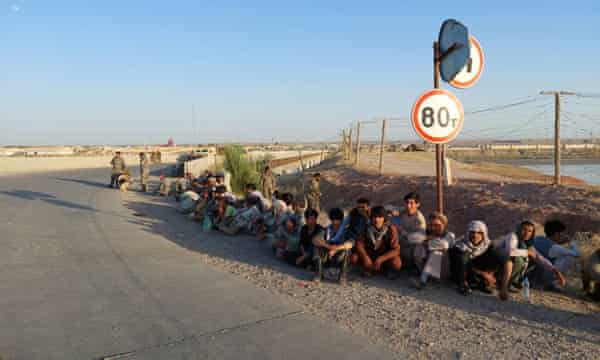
{"x": 344, "y": 143}
{"x": 350, "y": 143}
{"x": 557, "y": 95}
{"x": 357, "y": 158}
{"x": 381, "y": 146}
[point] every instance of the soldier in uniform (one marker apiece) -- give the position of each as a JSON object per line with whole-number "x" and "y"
{"x": 118, "y": 168}
{"x": 314, "y": 193}
{"x": 144, "y": 171}
{"x": 267, "y": 184}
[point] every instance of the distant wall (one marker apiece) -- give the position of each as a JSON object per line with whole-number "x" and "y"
{"x": 197, "y": 166}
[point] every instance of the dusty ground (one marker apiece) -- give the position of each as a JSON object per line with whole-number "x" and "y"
{"x": 437, "y": 322}
{"x": 500, "y": 201}
{"x": 423, "y": 164}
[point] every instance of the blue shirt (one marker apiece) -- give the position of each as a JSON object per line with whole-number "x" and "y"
{"x": 543, "y": 245}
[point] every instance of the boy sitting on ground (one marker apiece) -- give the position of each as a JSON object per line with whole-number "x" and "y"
{"x": 563, "y": 255}
{"x": 378, "y": 247}
{"x": 332, "y": 250}
{"x": 287, "y": 241}
{"x": 309, "y": 232}
{"x": 518, "y": 251}
{"x": 411, "y": 221}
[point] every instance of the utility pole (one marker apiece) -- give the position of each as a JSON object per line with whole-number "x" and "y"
{"x": 381, "y": 146}
{"x": 350, "y": 143}
{"x": 344, "y": 151}
{"x": 557, "y": 95}
{"x": 357, "y": 158}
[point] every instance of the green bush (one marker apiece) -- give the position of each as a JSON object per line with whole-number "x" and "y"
{"x": 242, "y": 169}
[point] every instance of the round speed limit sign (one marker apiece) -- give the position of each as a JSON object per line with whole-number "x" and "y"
{"x": 437, "y": 116}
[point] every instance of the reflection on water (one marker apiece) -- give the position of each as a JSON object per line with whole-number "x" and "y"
{"x": 589, "y": 173}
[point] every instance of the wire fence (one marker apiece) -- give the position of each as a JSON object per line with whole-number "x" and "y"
{"x": 519, "y": 130}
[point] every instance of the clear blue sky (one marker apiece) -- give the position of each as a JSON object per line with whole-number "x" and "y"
{"x": 130, "y": 71}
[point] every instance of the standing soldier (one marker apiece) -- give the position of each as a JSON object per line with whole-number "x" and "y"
{"x": 314, "y": 193}
{"x": 118, "y": 168}
{"x": 144, "y": 171}
{"x": 267, "y": 184}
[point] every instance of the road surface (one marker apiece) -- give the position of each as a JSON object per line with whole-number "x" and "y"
{"x": 83, "y": 278}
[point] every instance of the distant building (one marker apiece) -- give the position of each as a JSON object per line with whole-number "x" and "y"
{"x": 170, "y": 142}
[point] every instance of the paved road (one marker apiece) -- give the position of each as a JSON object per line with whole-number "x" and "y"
{"x": 81, "y": 279}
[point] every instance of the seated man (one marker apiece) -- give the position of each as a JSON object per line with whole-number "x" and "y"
{"x": 272, "y": 218}
{"x": 556, "y": 247}
{"x": 225, "y": 213}
{"x": 244, "y": 219}
{"x": 431, "y": 250}
{"x": 212, "y": 204}
{"x": 474, "y": 261}
{"x": 286, "y": 241}
{"x": 181, "y": 185}
{"x": 188, "y": 201}
{"x": 308, "y": 233}
{"x": 331, "y": 250}
{"x": 124, "y": 180}
{"x": 378, "y": 247}
{"x": 411, "y": 221}
{"x": 518, "y": 252}
{"x": 252, "y": 192}
{"x": 221, "y": 180}
{"x": 591, "y": 275}
{"x": 356, "y": 222}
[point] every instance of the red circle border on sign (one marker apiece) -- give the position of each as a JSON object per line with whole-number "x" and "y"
{"x": 464, "y": 85}
{"x": 415, "y": 116}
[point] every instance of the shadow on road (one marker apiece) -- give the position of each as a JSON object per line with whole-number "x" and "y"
{"x": 84, "y": 182}
{"x": 158, "y": 216}
{"x": 27, "y": 194}
{"x": 50, "y": 199}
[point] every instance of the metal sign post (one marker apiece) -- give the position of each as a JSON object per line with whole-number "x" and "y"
{"x": 437, "y": 115}
{"x": 438, "y": 147}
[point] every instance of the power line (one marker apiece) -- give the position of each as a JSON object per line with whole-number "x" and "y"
{"x": 504, "y": 106}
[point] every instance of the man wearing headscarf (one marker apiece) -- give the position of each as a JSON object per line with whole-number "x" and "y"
{"x": 474, "y": 261}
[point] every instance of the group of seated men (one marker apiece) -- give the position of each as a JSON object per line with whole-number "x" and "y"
{"x": 385, "y": 240}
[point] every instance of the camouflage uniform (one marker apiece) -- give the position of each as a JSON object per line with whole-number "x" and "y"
{"x": 118, "y": 168}
{"x": 144, "y": 171}
{"x": 267, "y": 186}
{"x": 314, "y": 195}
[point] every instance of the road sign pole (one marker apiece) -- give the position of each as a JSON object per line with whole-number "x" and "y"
{"x": 438, "y": 147}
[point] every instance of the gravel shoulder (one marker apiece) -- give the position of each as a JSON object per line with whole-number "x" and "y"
{"x": 435, "y": 323}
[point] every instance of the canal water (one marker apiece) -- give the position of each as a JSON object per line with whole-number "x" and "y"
{"x": 586, "y": 171}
